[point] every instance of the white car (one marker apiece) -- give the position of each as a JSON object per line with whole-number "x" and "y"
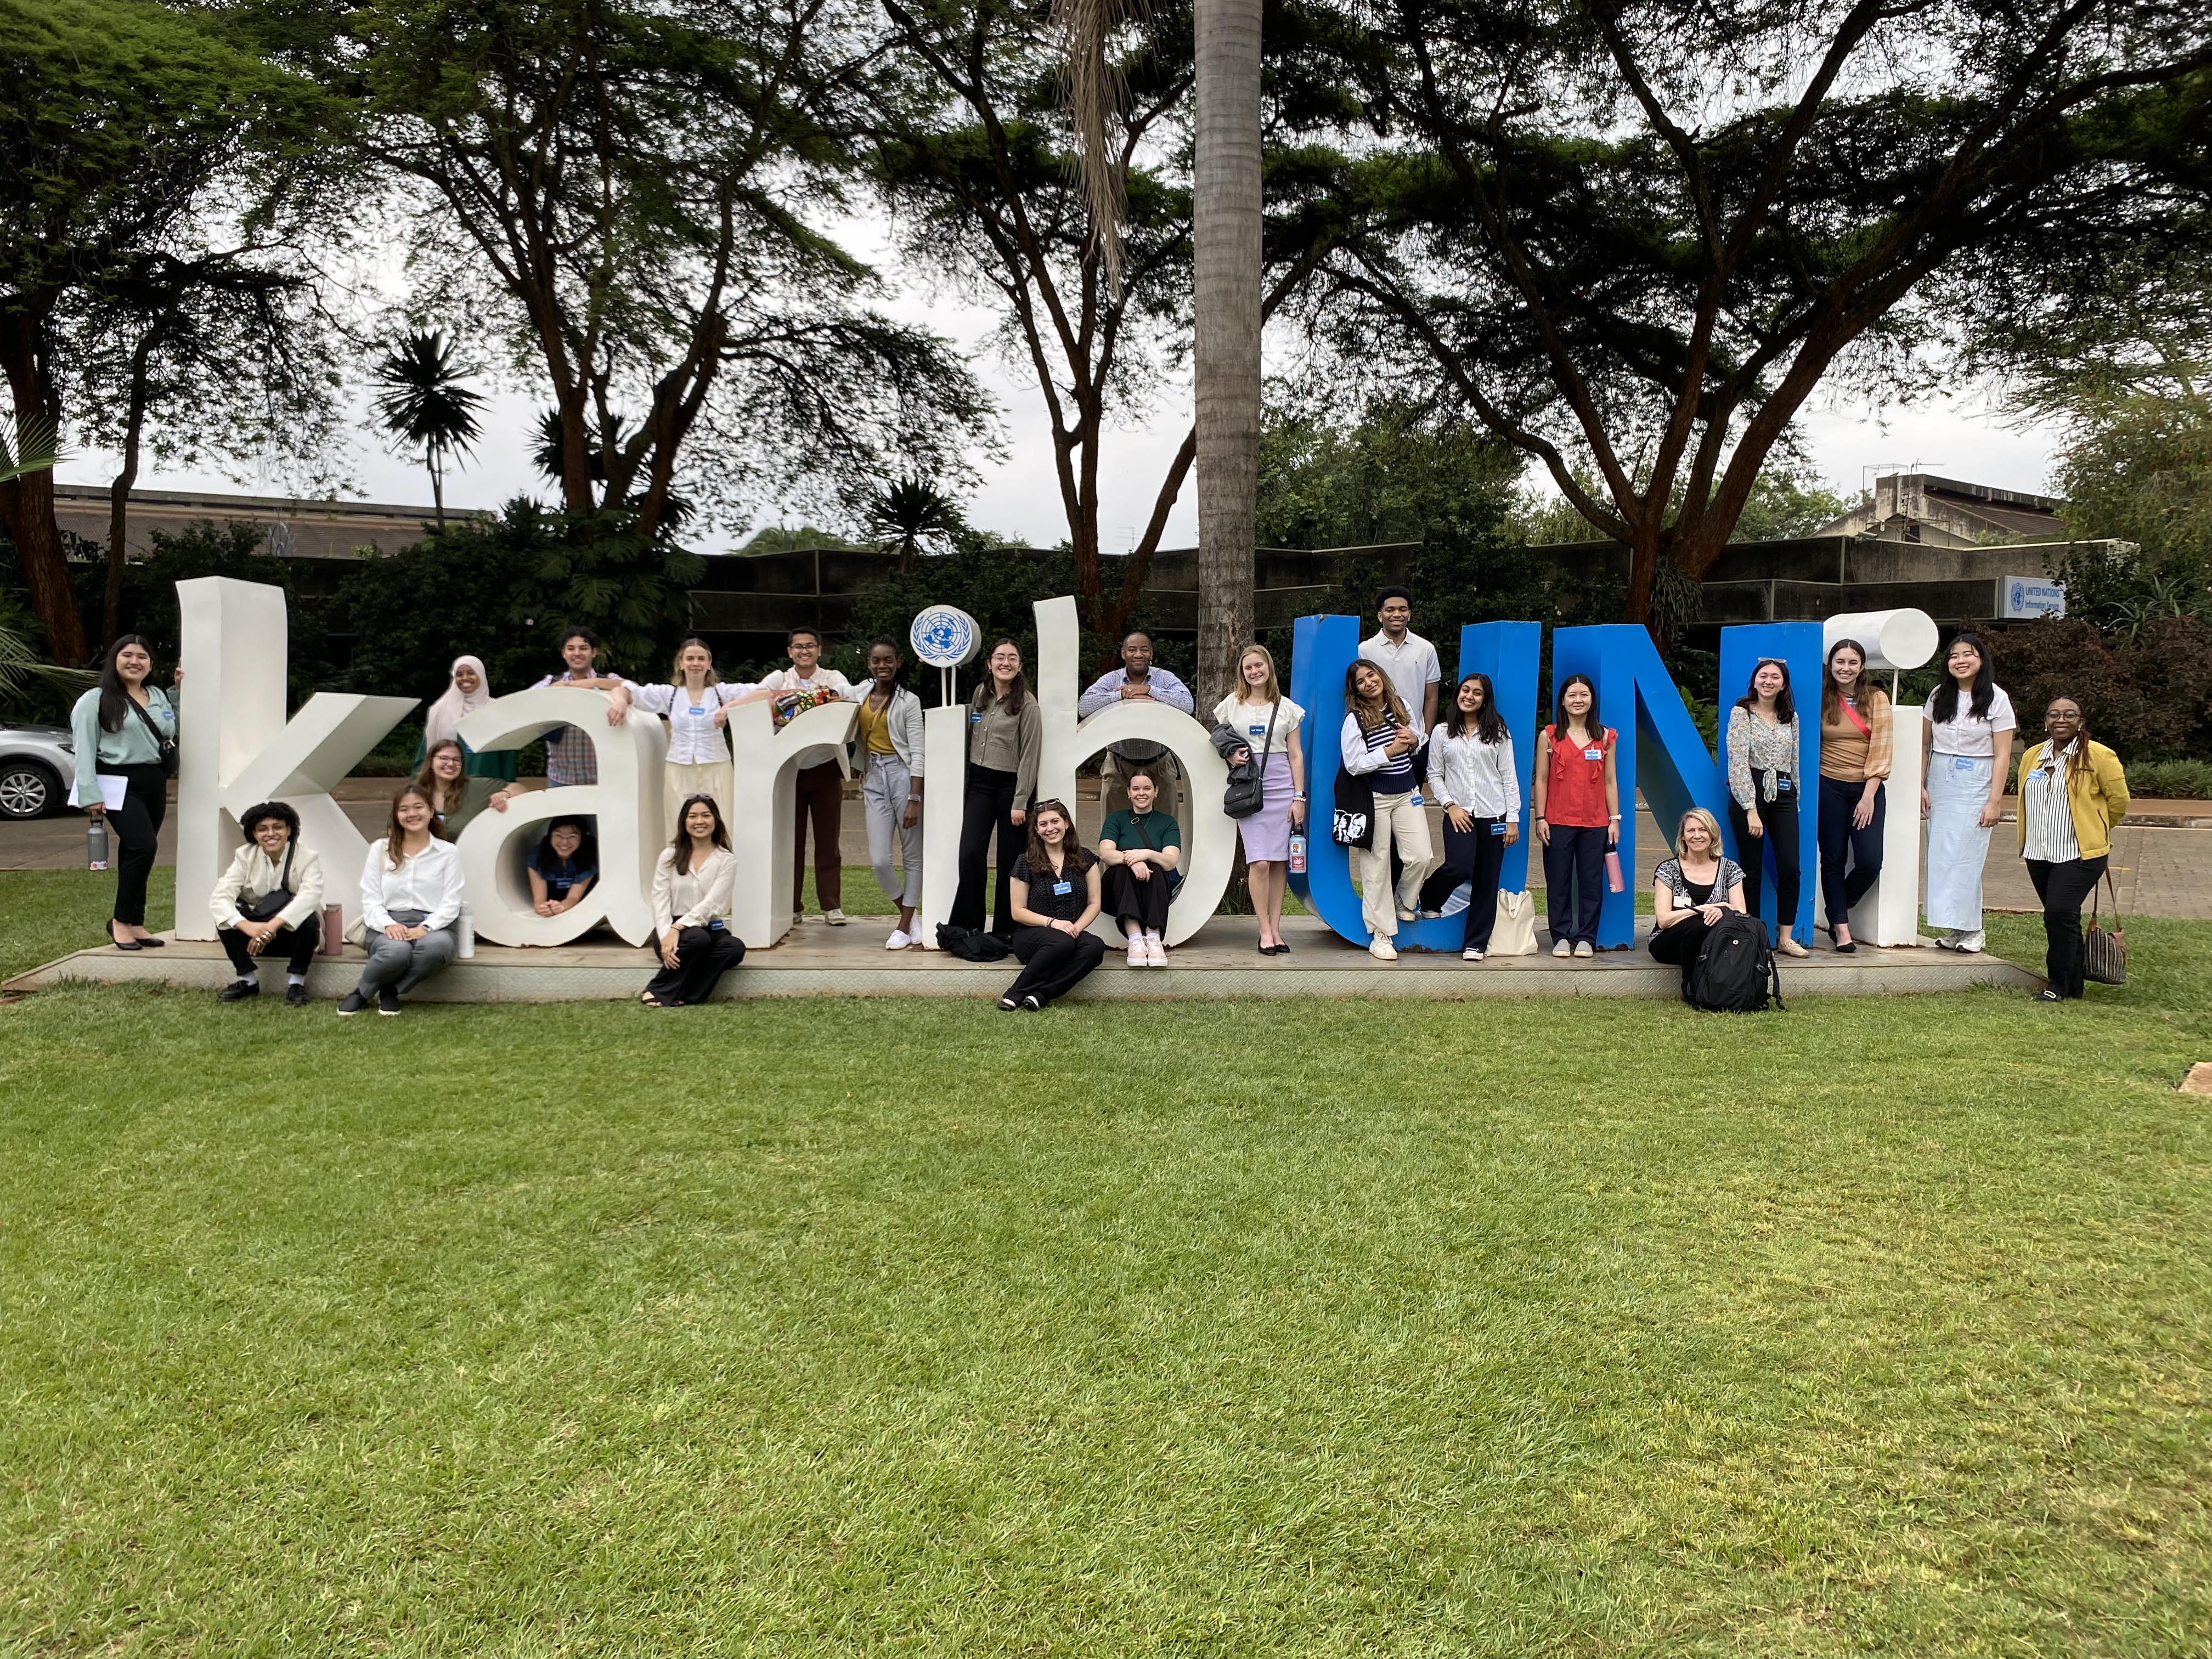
{"x": 38, "y": 765}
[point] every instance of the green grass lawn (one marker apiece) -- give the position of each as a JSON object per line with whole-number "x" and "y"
{"x": 1498, "y": 1328}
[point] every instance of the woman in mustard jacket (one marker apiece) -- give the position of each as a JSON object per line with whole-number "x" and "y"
{"x": 2072, "y": 793}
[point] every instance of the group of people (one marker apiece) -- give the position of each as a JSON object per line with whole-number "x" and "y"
{"x": 1047, "y": 888}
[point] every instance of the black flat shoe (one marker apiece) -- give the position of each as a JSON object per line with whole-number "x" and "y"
{"x": 153, "y": 943}
{"x": 125, "y": 943}
{"x": 1847, "y": 948}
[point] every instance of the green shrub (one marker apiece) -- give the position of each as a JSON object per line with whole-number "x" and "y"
{"x": 2170, "y": 779}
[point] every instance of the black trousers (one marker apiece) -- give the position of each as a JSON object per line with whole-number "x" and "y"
{"x": 2062, "y": 887}
{"x": 703, "y": 955}
{"x": 1574, "y": 881}
{"x": 1839, "y": 801}
{"x": 987, "y": 808}
{"x": 136, "y": 827}
{"x": 1475, "y": 855}
{"x": 1779, "y": 819}
{"x": 1127, "y": 899}
{"x": 1055, "y": 961}
{"x": 296, "y": 945}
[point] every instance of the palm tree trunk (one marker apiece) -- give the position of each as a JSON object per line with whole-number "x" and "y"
{"x": 1227, "y": 183}
{"x": 437, "y": 487}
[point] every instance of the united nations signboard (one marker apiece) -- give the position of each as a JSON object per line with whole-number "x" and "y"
{"x": 945, "y": 636}
{"x": 2023, "y": 598}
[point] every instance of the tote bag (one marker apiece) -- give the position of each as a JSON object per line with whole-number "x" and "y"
{"x": 2105, "y": 951}
{"x": 1514, "y": 932}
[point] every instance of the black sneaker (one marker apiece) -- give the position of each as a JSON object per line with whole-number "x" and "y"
{"x": 238, "y": 990}
{"x": 1031, "y": 1005}
{"x": 352, "y": 1003}
{"x": 387, "y": 1001}
{"x": 295, "y": 996}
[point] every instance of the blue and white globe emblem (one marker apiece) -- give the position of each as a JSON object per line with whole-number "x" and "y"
{"x": 945, "y": 636}
{"x": 2019, "y": 596}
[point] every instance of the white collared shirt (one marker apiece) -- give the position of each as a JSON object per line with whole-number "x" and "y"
{"x": 1479, "y": 778}
{"x": 1413, "y": 667}
{"x": 1962, "y": 734}
{"x": 429, "y": 881}
{"x": 694, "y": 740}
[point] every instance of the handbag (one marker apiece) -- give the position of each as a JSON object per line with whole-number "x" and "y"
{"x": 2105, "y": 951}
{"x": 270, "y": 904}
{"x": 164, "y": 746}
{"x": 1514, "y": 932}
{"x": 1354, "y": 824}
{"x": 1247, "y": 790}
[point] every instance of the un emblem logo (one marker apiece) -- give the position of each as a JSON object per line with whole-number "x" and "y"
{"x": 945, "y": 636}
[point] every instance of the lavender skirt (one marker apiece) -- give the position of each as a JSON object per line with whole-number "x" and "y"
{"x": 1267, "y": 832}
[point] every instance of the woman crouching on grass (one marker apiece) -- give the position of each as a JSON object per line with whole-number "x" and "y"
{"x": 691, "y": 889}
{"x": 1056, "y": 900}
{"x": 1691, "y": 891}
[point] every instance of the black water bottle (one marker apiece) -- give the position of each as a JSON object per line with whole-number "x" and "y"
{"x": 95, "y": 844}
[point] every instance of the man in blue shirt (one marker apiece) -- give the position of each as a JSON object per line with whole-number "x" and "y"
{"x": 1137, "y": 678}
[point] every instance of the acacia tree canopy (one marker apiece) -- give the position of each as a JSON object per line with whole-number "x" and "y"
{"x": 1630, "y": 237}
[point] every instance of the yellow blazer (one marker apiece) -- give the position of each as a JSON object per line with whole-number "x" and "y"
{"x": 2098, "y": 793}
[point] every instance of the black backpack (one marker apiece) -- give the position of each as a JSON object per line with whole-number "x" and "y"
{"x": 1735, "y": 972}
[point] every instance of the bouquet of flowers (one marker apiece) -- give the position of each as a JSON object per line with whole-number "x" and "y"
{"x": 791, "y": 704}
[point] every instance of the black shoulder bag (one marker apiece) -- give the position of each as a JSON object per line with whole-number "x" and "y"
{"x": 164, "y": 746}
{"x": 270, "y": 905}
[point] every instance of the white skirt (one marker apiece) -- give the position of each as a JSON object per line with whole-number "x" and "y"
{"x": 1958, "y": 846}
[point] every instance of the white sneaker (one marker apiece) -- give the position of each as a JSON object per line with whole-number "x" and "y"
{"x": 834, "y": 918}
{"x": 1470, "y": 956}
{"x": 1404, "y": 914}
{"x": 1582, "y": 948}
{"x": 1973, "y": 944}
{"x": 1139, "y": 957}
{"x": 1381, "y": 950}
{"x": 1563, "y": 949}
{"x": 1156, "y": 951}
{"x": 899, "y": 939}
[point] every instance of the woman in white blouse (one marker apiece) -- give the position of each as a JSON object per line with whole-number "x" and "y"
{"x": 691, "y": 889}
{"x": 1968, "y": 744}
{"x": 696, "y": 702}
{"x": 411, "y": 896}
{"x": 1268, "y": 721}
{"x": 1472, "y": 776}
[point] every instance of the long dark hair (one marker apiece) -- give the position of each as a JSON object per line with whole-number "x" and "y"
{"x": 586, "y": 857}
{"x": 1393, "y": 708}
{"x": 1071, "y": 848}
{"x": 1831, "y": 696}
{"x": 1785, "y": 706}
{"x": 1560, "y": 719}
{"x": 1944, "y": 705}
{"x": 395, "y": 833}
{"x": 1489, "y": 724}
{"x": 682, "y": 845}
{"x": 114, "y": 696}
{"x": 428, "y": 781}
{"x": 985, "y": 696}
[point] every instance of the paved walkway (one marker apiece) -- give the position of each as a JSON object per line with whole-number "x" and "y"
{"x": 2160, "y": 871}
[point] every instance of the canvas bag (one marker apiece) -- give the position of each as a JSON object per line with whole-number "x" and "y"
{"x": 2105, "y": 951}
{"x": 1514, "y": 932}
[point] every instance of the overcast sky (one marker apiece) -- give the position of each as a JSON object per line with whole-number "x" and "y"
{"x": 1958, "y": 437}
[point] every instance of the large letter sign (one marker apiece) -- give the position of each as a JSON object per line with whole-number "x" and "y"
{"x": 1797, "y": 644}
{"x": 625, "y": 803}
{"x": 767, "y": 788}
{"x": 237, "y": 749}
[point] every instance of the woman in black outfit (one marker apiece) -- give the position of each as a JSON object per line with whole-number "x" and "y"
{"x": 1006, "y": 741}
{"x": 1055, "y": 901}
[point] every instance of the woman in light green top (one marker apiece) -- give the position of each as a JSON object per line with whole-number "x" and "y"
{"x": 120, "y": 727}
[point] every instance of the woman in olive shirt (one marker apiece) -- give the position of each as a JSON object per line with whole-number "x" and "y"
{"x": 1855, "y": 759}
{"x": 456, "y": 795}
{"x": 1141, "y": 849}
{"x": 1006, "y": 740}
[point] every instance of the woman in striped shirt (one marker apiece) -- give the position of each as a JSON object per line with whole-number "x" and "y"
{"x": 1378, "y": 742}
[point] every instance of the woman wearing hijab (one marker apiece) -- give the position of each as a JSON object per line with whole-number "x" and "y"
{"x": 470, "y": 690}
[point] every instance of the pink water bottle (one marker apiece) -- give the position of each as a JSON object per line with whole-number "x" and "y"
{"x": 1614, "y": 881}
{"x": 333, "y": 940}
{"x": 1298, "y": 853}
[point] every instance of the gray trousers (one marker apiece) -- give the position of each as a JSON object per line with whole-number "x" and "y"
{"x": 405, "y": 963}
{"x": 883, "y": 799}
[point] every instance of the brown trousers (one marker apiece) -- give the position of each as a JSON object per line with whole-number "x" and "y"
{"x": 821, "y": 797}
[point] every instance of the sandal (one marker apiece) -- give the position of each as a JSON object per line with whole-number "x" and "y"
{"x": 650, "y": 1001}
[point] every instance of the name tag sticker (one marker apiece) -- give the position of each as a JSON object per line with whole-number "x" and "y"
{"x": 1783, "y": 786}
{"x": 1593, "y": 754}
{"x": 2038, "y": 774}
{"x": 1497, "y": 829}
{"x": 698, "y": 711}
{"x": 1962, "y": 763}
{"x": 974, "y": 717}
{"x": 1063, "y": 888}
{"x": 1257, "y": 731}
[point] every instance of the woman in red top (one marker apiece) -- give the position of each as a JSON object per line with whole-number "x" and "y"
{"x": 1577, "y": 814}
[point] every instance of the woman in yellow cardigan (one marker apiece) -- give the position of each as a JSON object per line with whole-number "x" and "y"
{"x": 2072, "y": 792}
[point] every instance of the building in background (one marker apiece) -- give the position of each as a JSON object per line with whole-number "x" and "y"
{"x": 291, "y": 527}
{"x": 1933, "y": 511}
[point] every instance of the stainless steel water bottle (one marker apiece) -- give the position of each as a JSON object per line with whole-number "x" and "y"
{"x": 465, "y": 931}
{"x": 95, "y": 844}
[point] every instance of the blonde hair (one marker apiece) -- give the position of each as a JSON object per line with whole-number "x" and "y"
{"x": 1698, "y": 815}
{"x": 1273, "y": 691}
{"x": 676, "y": 667}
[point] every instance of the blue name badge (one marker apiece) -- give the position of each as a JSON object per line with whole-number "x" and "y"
{"x": 1257, "y": 731}
{"x": 1497, "y": 829}
{"x": 1962, "y": 763}
{"x": 1783, "y": 786}
{"x": 1594, "y": 753}
{"x": 2038, "y": 774}
{"x": 1062, "y": 888}
{"x": 698, "y": 712}
{"x": 974, "y": 717}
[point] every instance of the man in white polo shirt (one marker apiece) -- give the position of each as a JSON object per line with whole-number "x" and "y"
{"x": 1409, "y": 662}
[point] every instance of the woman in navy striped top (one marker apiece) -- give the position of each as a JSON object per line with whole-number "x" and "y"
{"x": 1378, "y": 743}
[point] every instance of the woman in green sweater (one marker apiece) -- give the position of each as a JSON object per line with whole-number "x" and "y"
{"x": 121, "y": 728}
